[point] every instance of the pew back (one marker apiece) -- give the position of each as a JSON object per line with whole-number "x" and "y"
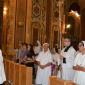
{"x": 55, "y": 81}
{"x": 18, "y": 74}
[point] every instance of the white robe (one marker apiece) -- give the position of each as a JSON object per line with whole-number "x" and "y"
{"x": 2, "y": 72}
{"x": 79, "y": 77}
{"x": 42, "y": 76}
{"x": 67, "y": 72}
{"x": 56, "y": 58}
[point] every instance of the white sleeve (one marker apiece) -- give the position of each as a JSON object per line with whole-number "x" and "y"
{"x": 39, "y": 43}
{"x": 76, "y": 60}
{"x": 1, "y": 57}
{"x": 70, "y": 55}
{"x": 59, "y": 60}
{"x": 39, "y": 57}
{"x": 83, "y": 62}
{"x": 50, "y": 58}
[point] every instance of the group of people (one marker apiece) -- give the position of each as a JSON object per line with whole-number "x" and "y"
{"x": 55, "y": 63}
{"x": 67, "y": 64}
{"x": 27, "y": 51}
{"x": 26, "y": 54}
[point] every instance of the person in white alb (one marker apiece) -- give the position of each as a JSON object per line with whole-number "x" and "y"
{"x": 79, "y": 65}
{"x": 44, "y": 60}
{"x": 67, "y": 55}
{"x": 56, "y": 61}
{"x": 2, "y": 72}
{"x": 37, "y": 48}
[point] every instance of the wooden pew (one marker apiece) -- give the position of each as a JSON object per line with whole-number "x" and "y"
{"x": 25, "y": 75}
{"x": 17, "y": 73}
{"x": 12, "y": 71}
{"x": 55, "y": 81}
{"x": 22, "y": 75}
{"x": 69, "y": 83}
{"x": 29, "y": 76}
{"x": 6, "y": 65}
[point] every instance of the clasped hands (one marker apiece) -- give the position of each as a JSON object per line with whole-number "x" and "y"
{"x": 80, "y": 68}
{"x": 42, "y": 66}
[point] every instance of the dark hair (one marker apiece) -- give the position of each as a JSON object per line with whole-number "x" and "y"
{"x": 31, "y": 50}
{"x": 68, "y": 38}
{"x": 24, "y": 44}
{"x": 31, "y": 47}
{"x": 82, "y": 43}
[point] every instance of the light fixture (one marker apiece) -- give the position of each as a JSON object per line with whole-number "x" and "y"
{"x": 5, "y": 10}
{"x": 68, "y": 26}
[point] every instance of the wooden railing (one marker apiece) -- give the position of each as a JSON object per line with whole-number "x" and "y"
{"x": 18, "y": 74}
{"x": 55, "y": 81}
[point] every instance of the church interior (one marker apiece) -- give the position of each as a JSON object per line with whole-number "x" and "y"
{"x": 43, "y": 20}
{"x": 30, "y": 20}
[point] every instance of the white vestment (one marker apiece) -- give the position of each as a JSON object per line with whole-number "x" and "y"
{"x": 67, "y": 72}
{"x": 56, "y": 58}
{"x": 2, "y": 72}
{"x": 42, "y": 76}
{"x": 37, "y": 49}
{"x": 79, "y": 77}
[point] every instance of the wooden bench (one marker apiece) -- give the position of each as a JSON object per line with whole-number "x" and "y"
{"x": 55, "y": 81}
{"x": 18, "y": 74}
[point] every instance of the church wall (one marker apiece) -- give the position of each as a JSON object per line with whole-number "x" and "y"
{"x": 8, "y": 24}
{"x": 75, "y": 30}
{"x": 38, "y": 24}
{"x": 82, "y": 7}
{"x": 29, "y": 21}
{"x": 57, "y": 14}
{"x": 45, "y": 20}
{"x": 16, "y": 23}
{"x": 1, "y": 21}
{"x": 20, "y": 29}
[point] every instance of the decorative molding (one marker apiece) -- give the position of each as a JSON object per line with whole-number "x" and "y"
{"x": 36, "y": 10}
{"x": 39, "y": 17}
